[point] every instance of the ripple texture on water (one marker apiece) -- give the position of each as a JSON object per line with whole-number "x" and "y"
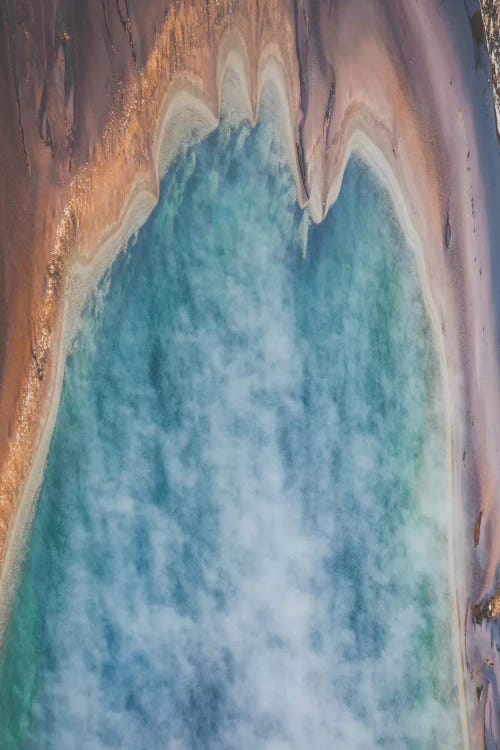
{"x": 241, "y": 539}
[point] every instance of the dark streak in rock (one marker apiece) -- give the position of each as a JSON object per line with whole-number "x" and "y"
{"x": 301, "y": 41}
{"x": 477, "y": 528}
{"x": 302, "y": 162}
{"x": 447, "y": 232}
{"x": 11, "y": 36}
{"x": 41, "y": 111}
{"x": 106, "y": 22}
{"x": 127, "y": 27}
{"x": 330, "y": 105}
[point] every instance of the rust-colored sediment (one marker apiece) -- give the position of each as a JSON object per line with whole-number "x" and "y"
{"x": 83, "y": 88}
{"x": 489, "y": 611}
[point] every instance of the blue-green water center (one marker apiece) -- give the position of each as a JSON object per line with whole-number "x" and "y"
{"x": 241, "y": 539}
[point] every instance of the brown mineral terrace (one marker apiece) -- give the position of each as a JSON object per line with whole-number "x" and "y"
{"x": 97, "y": 97}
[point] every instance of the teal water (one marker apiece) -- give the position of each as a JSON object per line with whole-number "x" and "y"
{"x": 240, "y": 541}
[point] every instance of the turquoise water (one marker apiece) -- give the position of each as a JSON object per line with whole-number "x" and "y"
{"x": 240, "y": 541}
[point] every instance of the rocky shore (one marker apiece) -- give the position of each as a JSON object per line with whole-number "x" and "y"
{"x": 490, "y": 11}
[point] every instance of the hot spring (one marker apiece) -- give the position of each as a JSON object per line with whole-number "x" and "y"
{"x": 242, "y": 536}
